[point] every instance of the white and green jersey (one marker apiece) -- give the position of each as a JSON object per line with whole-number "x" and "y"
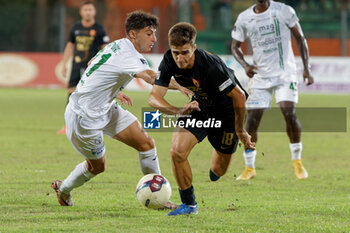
{"x": 109, "y": 72}
{"x": 270, "y": 37}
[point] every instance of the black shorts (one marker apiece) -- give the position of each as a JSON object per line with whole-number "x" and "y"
{"x": 77, "y": 72}
{"x": 224, "y": 138}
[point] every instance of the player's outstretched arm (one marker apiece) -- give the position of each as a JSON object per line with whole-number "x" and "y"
{"x": 304, "y": 52}
{"x": 156, "y": 100}
{"x": 68, "y": 52}
{"x": 250, "y": 70}
{"x": 147, "y": 75}
{"x": 238, "y": 98}
{"x": 175, "y": 86}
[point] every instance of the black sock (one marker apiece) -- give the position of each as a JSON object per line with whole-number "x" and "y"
{"x": 213, "y": 176}
{"x": 187, "y": 196}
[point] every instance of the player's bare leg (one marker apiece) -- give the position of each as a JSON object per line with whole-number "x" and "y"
{"x": 135, "y": 137}
{"x": 182, "y": 143}
{"x": 219, "y": 164}
{"x": 253, "y": 122}
{"x": 294, "y": 133}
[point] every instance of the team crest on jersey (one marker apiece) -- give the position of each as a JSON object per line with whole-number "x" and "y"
{"x": 195, "y": 82}
{"x": 143, "y": 61}
{"x": 92, "y": 32}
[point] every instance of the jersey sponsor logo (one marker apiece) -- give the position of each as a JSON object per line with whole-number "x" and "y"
{"x": 98, "y": 151}
{"x": 92, "y": 32}
{"x": 267, "y": 29}
{"x": 195, "y": 82}
{"x": 143, "y": 61}
{"x": 152, "y": 119}
{"x": 270, "y": 41}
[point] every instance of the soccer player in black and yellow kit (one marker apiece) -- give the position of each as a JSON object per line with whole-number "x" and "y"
{"x": 86, "y": 38}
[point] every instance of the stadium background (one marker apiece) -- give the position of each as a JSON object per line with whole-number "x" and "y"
{"x": 34, "y": 32}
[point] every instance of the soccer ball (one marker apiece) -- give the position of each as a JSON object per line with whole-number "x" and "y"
{"x": 153, "y": 191}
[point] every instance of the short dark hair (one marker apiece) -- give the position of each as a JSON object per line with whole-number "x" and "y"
{"x": 181, "y": 34}
{"x": 139, "y": 19}
{"x": 87, "y": 3}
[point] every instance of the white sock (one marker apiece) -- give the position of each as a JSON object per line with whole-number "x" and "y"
{"x": 295, "y": 150}
{"x": 76, "y": 178}
{"x": 149, "y": 161}
{"x": 249, "y": 158}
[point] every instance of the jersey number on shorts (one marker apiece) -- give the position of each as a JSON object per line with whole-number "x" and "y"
{"x": 103, "y": 59}
{"x": 227, "y": 138}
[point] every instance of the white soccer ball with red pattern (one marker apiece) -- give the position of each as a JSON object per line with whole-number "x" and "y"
{"x": 153, "y": 191}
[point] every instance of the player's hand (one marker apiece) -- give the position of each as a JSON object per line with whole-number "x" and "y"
{"x": 307, "y": 76}
{"x": 188, "y": 108}
{"x": 124, "y": 99}
{"x": 250, "y": 70}
{"x": 188, "y": 93}
{"x": 245, "y": 138}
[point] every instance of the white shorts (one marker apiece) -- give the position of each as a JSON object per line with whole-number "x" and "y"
{"x": 284, "y": 90}
{"x": 89, "y": 142}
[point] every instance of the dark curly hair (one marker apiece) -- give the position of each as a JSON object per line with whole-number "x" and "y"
{"x": 138, "y": 20}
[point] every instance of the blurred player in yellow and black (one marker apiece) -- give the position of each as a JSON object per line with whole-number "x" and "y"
{"x": 86, "y": 38}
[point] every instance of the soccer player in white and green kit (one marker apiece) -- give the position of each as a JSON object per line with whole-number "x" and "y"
{"x": 268, "y": 26}
{"x": 92, "y": 110}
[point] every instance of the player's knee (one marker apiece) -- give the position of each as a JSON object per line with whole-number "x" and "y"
{"x": 147, "y": 145}
{"x": 252, "y": 124}
{"x": 177, "y": 156}
{"x": 290, "y": 117}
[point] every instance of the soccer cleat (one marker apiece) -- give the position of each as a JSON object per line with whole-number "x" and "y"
{"x": 247, "y": 174}
{"x": 170, "y": 206}
{"x": 299, "y": 170}
{"x": 62, "y": 131}
{"x": 63, "y": 199}
{"x": 184, "y": 209}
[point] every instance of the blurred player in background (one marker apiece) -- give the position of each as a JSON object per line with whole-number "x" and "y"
{"x": 217, "y": 95}
{"x": 268, "y": 26}
{"x": 92, "y": 110}
{"x": 86, "y": 38}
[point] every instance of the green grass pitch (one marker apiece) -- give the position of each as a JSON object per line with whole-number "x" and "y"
{"x": 32, "y": 156}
